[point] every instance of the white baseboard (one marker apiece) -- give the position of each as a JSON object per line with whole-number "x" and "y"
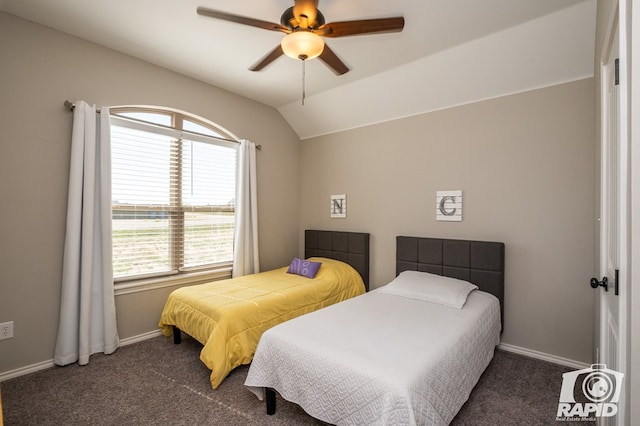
{"x": 543, "y": 356}
{"x": 140, "y": 337}
{"x": 33, "y": 368}
{"x": 23, "y": 371}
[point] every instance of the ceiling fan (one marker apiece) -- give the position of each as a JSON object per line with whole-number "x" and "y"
{"x": 305, "y": 27}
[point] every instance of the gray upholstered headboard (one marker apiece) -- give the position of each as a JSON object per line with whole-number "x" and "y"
{"x": 479, "y": 262}
{"x": 348, "y": 247}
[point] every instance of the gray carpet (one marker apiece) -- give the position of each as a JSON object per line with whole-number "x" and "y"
{"x": 155, "y": 382}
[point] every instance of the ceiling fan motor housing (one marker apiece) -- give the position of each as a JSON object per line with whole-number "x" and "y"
{"x": 288, "y": 19}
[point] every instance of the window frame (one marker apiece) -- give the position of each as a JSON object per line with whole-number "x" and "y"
{"x": 178, "y": 275}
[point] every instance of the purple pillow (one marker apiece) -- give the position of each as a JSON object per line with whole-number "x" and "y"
{"x": 306, "y": 268}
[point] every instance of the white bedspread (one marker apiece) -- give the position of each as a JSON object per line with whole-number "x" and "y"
{"x": 380, "y": 359}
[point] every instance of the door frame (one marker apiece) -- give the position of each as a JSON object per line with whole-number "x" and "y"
{"x": 632, "y": 20}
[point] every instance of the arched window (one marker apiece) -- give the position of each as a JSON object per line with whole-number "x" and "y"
{"x": 173, "y": 193}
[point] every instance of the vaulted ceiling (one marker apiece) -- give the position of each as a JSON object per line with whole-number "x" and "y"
{"x": 451, "y": 52}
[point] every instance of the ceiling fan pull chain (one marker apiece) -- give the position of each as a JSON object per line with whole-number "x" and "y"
{"x": 303, "y": 81}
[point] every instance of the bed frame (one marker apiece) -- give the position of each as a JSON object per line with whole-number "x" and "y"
{"x": 348, "y": 247}
{"x": 479, "y": 262}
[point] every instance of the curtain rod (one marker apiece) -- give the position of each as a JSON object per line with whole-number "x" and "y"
{"x": 71, "y": 106}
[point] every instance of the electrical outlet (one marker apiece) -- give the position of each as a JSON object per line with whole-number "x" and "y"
{"x": 6, "y": 330}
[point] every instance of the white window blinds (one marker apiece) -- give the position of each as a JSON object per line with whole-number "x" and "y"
{"x": 173, "y": 200}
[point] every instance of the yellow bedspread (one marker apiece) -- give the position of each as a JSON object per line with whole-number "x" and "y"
{"x": 228, "y": 317}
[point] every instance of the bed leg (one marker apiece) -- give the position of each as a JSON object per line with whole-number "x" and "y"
{"x": 270, "y": 397}
{"x": 177, "y": 337}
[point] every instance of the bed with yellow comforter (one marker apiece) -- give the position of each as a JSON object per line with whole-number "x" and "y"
{"x": 229, "y": 316}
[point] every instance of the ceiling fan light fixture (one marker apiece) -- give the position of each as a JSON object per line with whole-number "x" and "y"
{"x": 302, "y": 45}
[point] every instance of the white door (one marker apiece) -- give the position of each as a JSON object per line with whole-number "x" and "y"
{"x": 612, "y": 341}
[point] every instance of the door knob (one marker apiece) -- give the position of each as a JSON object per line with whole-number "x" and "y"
{"x": 604, "y": 283}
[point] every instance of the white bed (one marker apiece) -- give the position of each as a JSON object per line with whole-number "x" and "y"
{"x": 410, "y": 362}
{"x": 380, "y": 358}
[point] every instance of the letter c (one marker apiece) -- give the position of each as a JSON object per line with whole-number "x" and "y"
{"x": 443, "y": 208}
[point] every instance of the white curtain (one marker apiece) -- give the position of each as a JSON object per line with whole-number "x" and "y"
{"x": 87, "y": 306}
{"x": 245, "y": 247}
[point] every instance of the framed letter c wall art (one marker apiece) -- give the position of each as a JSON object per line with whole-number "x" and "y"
{"x": 449, "y": 206}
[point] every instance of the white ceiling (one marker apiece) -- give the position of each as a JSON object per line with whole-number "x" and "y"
{"x": 451, "y": 52}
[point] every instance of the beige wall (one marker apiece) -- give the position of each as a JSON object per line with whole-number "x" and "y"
{"x": 525, "y": 164}
{"x": 39, "y": 69}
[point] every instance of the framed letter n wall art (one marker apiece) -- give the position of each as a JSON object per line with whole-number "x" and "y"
{"x": 338, "y": 206}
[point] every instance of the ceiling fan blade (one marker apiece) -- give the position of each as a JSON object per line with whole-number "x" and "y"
{"x": 331, "y": 59}
{"x": 308, "y": 9}
{"x": 210, "y": 13}
{"x": 271, "y": 56}
{"x": 364, "y": 26}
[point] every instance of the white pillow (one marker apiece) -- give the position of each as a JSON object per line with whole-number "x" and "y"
{"x": 430, "y": 288}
